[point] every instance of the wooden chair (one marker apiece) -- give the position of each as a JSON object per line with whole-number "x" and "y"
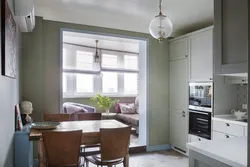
{"x": 89, "y": 116}
{"x": 56, "y": 117}
{"x": 114, "y": 147}
{"x": 62, "y": 148}
{"x": 87, "y": 150}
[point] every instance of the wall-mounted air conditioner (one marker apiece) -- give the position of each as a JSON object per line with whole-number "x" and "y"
{"x": 25, "y": 15}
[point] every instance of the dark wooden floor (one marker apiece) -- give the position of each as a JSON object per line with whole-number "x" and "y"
{"x": 169, "y": 158}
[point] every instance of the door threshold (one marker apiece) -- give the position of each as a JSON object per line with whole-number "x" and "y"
{"x": 133, "y": 149}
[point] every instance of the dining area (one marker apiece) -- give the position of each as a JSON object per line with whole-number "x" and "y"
{"x": 87, "y": 141}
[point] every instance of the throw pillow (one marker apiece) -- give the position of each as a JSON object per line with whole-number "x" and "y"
{"x": 137, "y": 104}
{"x": 117, "y": 108}
{"x": 127, "y": 108}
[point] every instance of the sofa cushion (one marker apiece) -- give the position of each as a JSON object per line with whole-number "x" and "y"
{"x": 128, "y": 108}
{"x": 132, "y": 119}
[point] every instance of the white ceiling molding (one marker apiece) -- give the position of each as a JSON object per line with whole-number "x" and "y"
{"x": 131, "y": 15}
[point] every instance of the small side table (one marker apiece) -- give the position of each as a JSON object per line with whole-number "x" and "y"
{"x": 106, "y": 116}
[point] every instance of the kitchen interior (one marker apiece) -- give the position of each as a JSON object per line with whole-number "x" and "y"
{"x": 208, "y": 89}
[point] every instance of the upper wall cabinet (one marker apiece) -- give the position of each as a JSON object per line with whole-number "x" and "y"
{"x": 230, "y": 36}
{"x": 201, "y": 56}
{"x": 178, "y": 49}
{"x": 198, "y": 48}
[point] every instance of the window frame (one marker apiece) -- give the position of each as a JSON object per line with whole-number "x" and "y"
{"x": 98, "y": 82}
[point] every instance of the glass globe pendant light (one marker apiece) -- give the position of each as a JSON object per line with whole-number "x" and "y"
{"x": 160, "y": 27}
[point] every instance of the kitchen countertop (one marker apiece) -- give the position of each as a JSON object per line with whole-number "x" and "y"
{"x": 232, "y": 152}
{"x": 229, "y": 119}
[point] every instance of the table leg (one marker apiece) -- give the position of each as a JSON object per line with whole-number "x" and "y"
{"x": 40, "y": 150}
{"x": 126, "y": 161}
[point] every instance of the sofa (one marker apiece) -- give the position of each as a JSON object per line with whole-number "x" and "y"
{"x": 130, "y": 119}
{"x": 75, "y": 108}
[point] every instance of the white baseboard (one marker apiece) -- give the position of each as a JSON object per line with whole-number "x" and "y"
{"x": 184, "y": 153}
{"x": 158, "y": 148}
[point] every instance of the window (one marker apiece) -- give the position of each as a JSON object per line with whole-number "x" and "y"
{"x": 118, "y": 77}
{"x": 131, "y": 62}
{"x": 110, "y": 82}
{"x": 84, "y": 60}
{"x": 109, "y": 61}
{"x": 84, "y": 83}
{"x": 130, "y": 83}
{"x": 64, "y": 83}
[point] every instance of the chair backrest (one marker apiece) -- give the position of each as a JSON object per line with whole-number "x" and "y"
{"x": 56, "y": 117}
{"x": 62, "y": 148}
{"x": 90, "y": 116}
{"x": 114, "y": 143}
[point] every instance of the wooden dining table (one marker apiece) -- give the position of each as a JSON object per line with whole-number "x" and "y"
{"x": 90, "y": 134}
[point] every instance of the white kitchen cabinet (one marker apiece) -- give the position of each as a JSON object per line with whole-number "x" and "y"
{"x": 236, "y": 80}
{"x": 178, "y": 103}
{"x": 193, "y": 138}
{"x": 224, "y": 129}
{"x": 245, "y": 131}
{"x": 196, "y": 44}
{"x": 198, "y": 48}
{"x": 178, "y": 49}
{"x": 178, "y": 130}
{"x": 230, "y": 36}
{"x": 201, "y": 56}
{"x": 227, "y": 127}
{"x": 179, "y": 85}
{"x": 220, "y": 135}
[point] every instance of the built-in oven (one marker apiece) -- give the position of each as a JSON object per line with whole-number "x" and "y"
{"x": 201, "y": 96}
{"x": 200, "y": 123}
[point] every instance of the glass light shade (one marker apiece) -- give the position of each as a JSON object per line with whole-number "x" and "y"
{"x": 96, "y": 58}
{"x": 160, "y": 27}
{"x": 97, "y": 66}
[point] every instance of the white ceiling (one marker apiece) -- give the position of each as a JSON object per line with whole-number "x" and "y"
{"x": 132, "y": 15}
{"x": 107, "y": 42}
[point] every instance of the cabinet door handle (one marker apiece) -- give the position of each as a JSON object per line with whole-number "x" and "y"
{"x": 226, "y": 136}
{"x": 186, "y": 55}
{"x": 199, "y": 139}
{"x": 183, "y": 115}
{"x": 210, "y": 79}
{"x": 227, "y": 124}
{"x": 183, "y": 112}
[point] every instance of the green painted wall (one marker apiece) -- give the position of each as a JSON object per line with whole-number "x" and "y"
{"x": 32, "y": 68}
{"x": 42, "y": 64}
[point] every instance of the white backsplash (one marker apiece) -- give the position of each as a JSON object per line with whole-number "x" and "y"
{"x": 241, "y": 96}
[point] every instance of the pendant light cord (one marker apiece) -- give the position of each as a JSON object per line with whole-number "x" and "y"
{"x": 160, "y": 2}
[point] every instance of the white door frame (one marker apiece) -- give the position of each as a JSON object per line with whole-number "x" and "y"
{"x": 144, "y": 42}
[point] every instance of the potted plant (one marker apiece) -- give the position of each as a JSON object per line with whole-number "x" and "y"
{"x": 104, "y": 102}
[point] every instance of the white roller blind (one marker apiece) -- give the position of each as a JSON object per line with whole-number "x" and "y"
{"x": 118, "y": 76}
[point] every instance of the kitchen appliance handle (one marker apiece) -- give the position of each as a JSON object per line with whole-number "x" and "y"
{"x": 204, "y": 113}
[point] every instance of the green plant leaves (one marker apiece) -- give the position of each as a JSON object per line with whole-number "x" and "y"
{"x": 104, "y": 101}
